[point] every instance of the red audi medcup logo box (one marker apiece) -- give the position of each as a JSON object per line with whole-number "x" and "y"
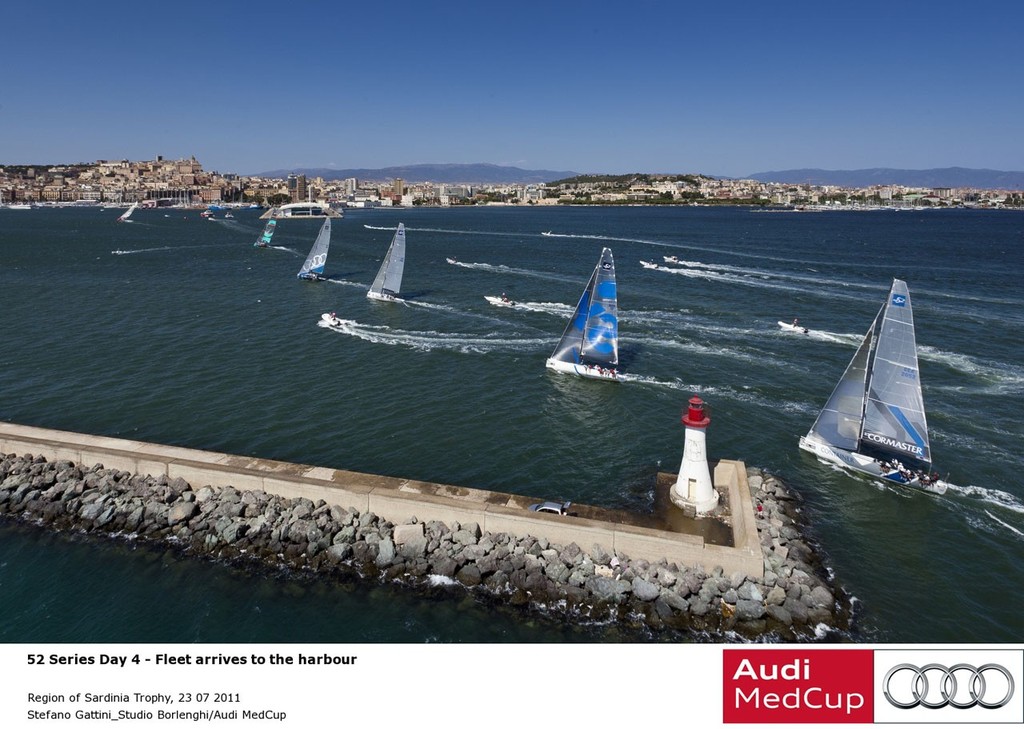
{"x": 797, "y": 686}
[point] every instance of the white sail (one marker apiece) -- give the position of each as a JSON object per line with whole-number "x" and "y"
{"x": 894, "y": 419}
{"x": 874, "y": 421}
{"x": 840, "y": 420}
{"x": 388, "y": 283}
{"x": 123, "y": 218}
{"x": 590, "y": 344}
{"x": 313, "y": 267}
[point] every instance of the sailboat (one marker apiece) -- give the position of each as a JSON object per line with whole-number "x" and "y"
{"x": 874, "y": 422}
{"x": 123, "y": 217}
{"x": 389, "y": 278}
{"x": 590, "y": 345}
{"x": 268, "y": 232}
{"x": 313, "y": 268}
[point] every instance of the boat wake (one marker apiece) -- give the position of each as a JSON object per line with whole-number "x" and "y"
{"x": 993, "y": 497}
{"x": 343, "y": 282}
{"x": 755, "y": 278}
{"x": 434, "y": 307}
{"x": 683, "y": 319}
{"x": 741, "y": 395}
{"x": 509, "y": 270}
{"x": 585, "y": 236}
{"x": 157, "y": 249}
{"x": 717, "y": 350}
{"x": 996, "y": 519}
{"x": 447, "y": 230}
{"x": 982, "y": 446}
{"x": 230, "y": 223}
{"x": 453, "y": 262}
{"x": 545, "y": 307}
{"x": 847, "y": 340}
{"x": 286, "y": 249}
{"x": 999, "y": 379}
{"x": 140, "y": 250}
{"x": 428, "y": 341}
{"x": 851, "y": 340}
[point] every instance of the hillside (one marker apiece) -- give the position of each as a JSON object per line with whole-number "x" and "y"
{"x": 444, "y": 173}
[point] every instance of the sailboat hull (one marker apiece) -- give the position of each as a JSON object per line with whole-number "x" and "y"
{"x": 593, "y": 372}
{"x": 380, "y": 296}
{"x": 866, "y": 465}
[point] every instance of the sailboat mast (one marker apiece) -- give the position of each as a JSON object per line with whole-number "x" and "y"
{"x": 869, "y": 367}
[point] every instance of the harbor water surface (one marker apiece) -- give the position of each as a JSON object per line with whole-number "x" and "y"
{"x": 175, "y": 329}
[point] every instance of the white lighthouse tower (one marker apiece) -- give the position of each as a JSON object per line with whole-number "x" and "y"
{"x": 693, "y": 490}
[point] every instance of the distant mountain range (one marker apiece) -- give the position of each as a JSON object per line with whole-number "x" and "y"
{"x": 483, "y": 173}
{"x": 940, "y": 177}
{"x": 446, "y": 173}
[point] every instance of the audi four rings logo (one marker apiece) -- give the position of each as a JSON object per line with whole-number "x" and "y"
{"x": 912, "y": 682}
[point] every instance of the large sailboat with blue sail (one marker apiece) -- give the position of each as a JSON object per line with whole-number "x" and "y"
{"x": 313, "y": 267}
{"x": 589, "y": 347}
{"x": 874, "y": 422}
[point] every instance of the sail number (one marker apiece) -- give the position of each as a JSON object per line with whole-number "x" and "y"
{"x": 909, "y": 373}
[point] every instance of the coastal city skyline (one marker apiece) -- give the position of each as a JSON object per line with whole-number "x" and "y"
{"x": 184, "y": 183}
{"x": 664, "y": 89}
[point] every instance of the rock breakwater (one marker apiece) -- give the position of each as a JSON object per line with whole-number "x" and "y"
{"x": 795, "y": 600}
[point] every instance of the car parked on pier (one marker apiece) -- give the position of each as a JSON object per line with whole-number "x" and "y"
{"x": 552, "y": 507}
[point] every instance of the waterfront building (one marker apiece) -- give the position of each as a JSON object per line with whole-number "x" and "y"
{"x": 297, "y": 187}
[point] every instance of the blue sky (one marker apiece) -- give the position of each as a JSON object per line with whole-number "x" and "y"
{"x": 733, "y": 89}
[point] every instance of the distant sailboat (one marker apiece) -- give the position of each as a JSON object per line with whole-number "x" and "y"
{"x": 268, "y": 232}
{"x": 874, "y": 422}
{"x": 313, "y": 268}
{"x": 389, "y": 278}
{"x": 589, "y": 347}
{"x": 123, "y": 217}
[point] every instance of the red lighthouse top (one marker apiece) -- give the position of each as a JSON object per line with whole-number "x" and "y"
{"x": 695, "y": 416}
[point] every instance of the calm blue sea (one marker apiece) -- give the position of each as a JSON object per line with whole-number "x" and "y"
{"x": 174, "y": 329}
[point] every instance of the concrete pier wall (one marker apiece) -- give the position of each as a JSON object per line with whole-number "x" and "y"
{"x": 397, "y": 499}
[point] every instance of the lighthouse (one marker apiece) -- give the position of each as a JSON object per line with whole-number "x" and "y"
{"x": 693, "y": 490}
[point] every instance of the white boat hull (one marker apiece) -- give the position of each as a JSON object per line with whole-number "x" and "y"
{"x": 866, "y": 465}
{"x": 381, "y": 297}
{"x": 331, "y": 319}
{"x": 792, "y": 328}
{"x": 498, "y": 301}
{"x": 592, "y": 372}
